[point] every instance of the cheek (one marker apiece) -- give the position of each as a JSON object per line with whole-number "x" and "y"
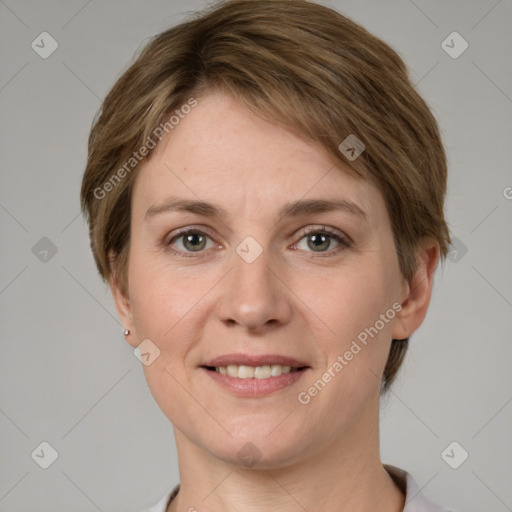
{"x": 355, "y": 315}
{"x": 351, "y": 302}
{"x": 166, "y": 308}
{"x": 163, "y": 295}
{"x": 349, "y": 383}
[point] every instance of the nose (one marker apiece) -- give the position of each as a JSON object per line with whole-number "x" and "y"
{"x": 254, "y": 294}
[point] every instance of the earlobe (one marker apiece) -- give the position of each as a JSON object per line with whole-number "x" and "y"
{"x": 124, "y": 309}
{"x": 418, "y": 292}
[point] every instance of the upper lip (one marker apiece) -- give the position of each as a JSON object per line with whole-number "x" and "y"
{"x": 254, "y": 360}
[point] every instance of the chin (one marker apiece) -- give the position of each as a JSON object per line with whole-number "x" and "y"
{"x": 256, "y": 449}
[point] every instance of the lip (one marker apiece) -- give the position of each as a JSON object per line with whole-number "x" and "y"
{"x": 254, "y": 360}
{"x": 255, "y": 387}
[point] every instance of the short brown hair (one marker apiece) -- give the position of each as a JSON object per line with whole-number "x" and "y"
{"x": 292, "y": 62}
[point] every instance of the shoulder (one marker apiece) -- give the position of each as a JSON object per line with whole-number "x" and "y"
{"x": 163, "y": 504}
{"x": 415, "y": 501}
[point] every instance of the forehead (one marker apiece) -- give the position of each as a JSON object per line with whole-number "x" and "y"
{"x": 221, "y": 153}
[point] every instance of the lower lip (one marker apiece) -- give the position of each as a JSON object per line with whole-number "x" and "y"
{"x": 256, "y": 387}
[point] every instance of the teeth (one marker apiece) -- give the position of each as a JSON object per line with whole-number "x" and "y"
{"x": 262, "y": 372}
{"x": 254, "y": 372}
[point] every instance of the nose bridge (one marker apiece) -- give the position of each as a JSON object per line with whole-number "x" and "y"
{"x": 253, "y": 295}
{"x": 252, "y": 265}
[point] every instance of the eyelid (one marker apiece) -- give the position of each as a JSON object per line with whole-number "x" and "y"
{"x": 324, "y": 229}
{"x": 183, "y": 231}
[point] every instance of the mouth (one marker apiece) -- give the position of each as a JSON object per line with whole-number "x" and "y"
{"x": 246, "y": 375}
{"x": 246, "y": 366}
{"x": 254, "y": 372}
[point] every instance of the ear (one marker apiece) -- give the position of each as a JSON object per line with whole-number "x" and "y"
{"x": 417, "y": 292}
{"x": 121, "y": 296}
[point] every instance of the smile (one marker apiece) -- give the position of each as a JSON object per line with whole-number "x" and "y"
{"x": 253, "y": 372}
{"x": 255, "y": 381}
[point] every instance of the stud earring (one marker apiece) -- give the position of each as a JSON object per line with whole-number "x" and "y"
{"x": 126, "y": 332}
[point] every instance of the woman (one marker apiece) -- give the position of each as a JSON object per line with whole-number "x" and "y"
{"x": 264, "y": 190}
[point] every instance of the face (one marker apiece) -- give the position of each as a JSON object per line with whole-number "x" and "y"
{"x": 265, "y": 278}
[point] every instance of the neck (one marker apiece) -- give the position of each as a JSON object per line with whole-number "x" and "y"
{"x": 346, "y": 476}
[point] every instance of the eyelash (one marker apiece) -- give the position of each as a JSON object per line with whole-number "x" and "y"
{"x": 344, "y": 241}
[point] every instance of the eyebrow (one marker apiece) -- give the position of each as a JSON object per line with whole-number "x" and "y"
{"x": 292, "y": 209}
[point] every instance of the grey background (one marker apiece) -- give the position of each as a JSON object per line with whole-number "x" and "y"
{"x": 68, "y": 377}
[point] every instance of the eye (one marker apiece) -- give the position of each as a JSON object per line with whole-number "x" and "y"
{"x": 192, "y": 240}
{"x": 319, "y": 240}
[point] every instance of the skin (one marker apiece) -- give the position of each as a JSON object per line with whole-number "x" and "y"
{"x": 294, "y": 299}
